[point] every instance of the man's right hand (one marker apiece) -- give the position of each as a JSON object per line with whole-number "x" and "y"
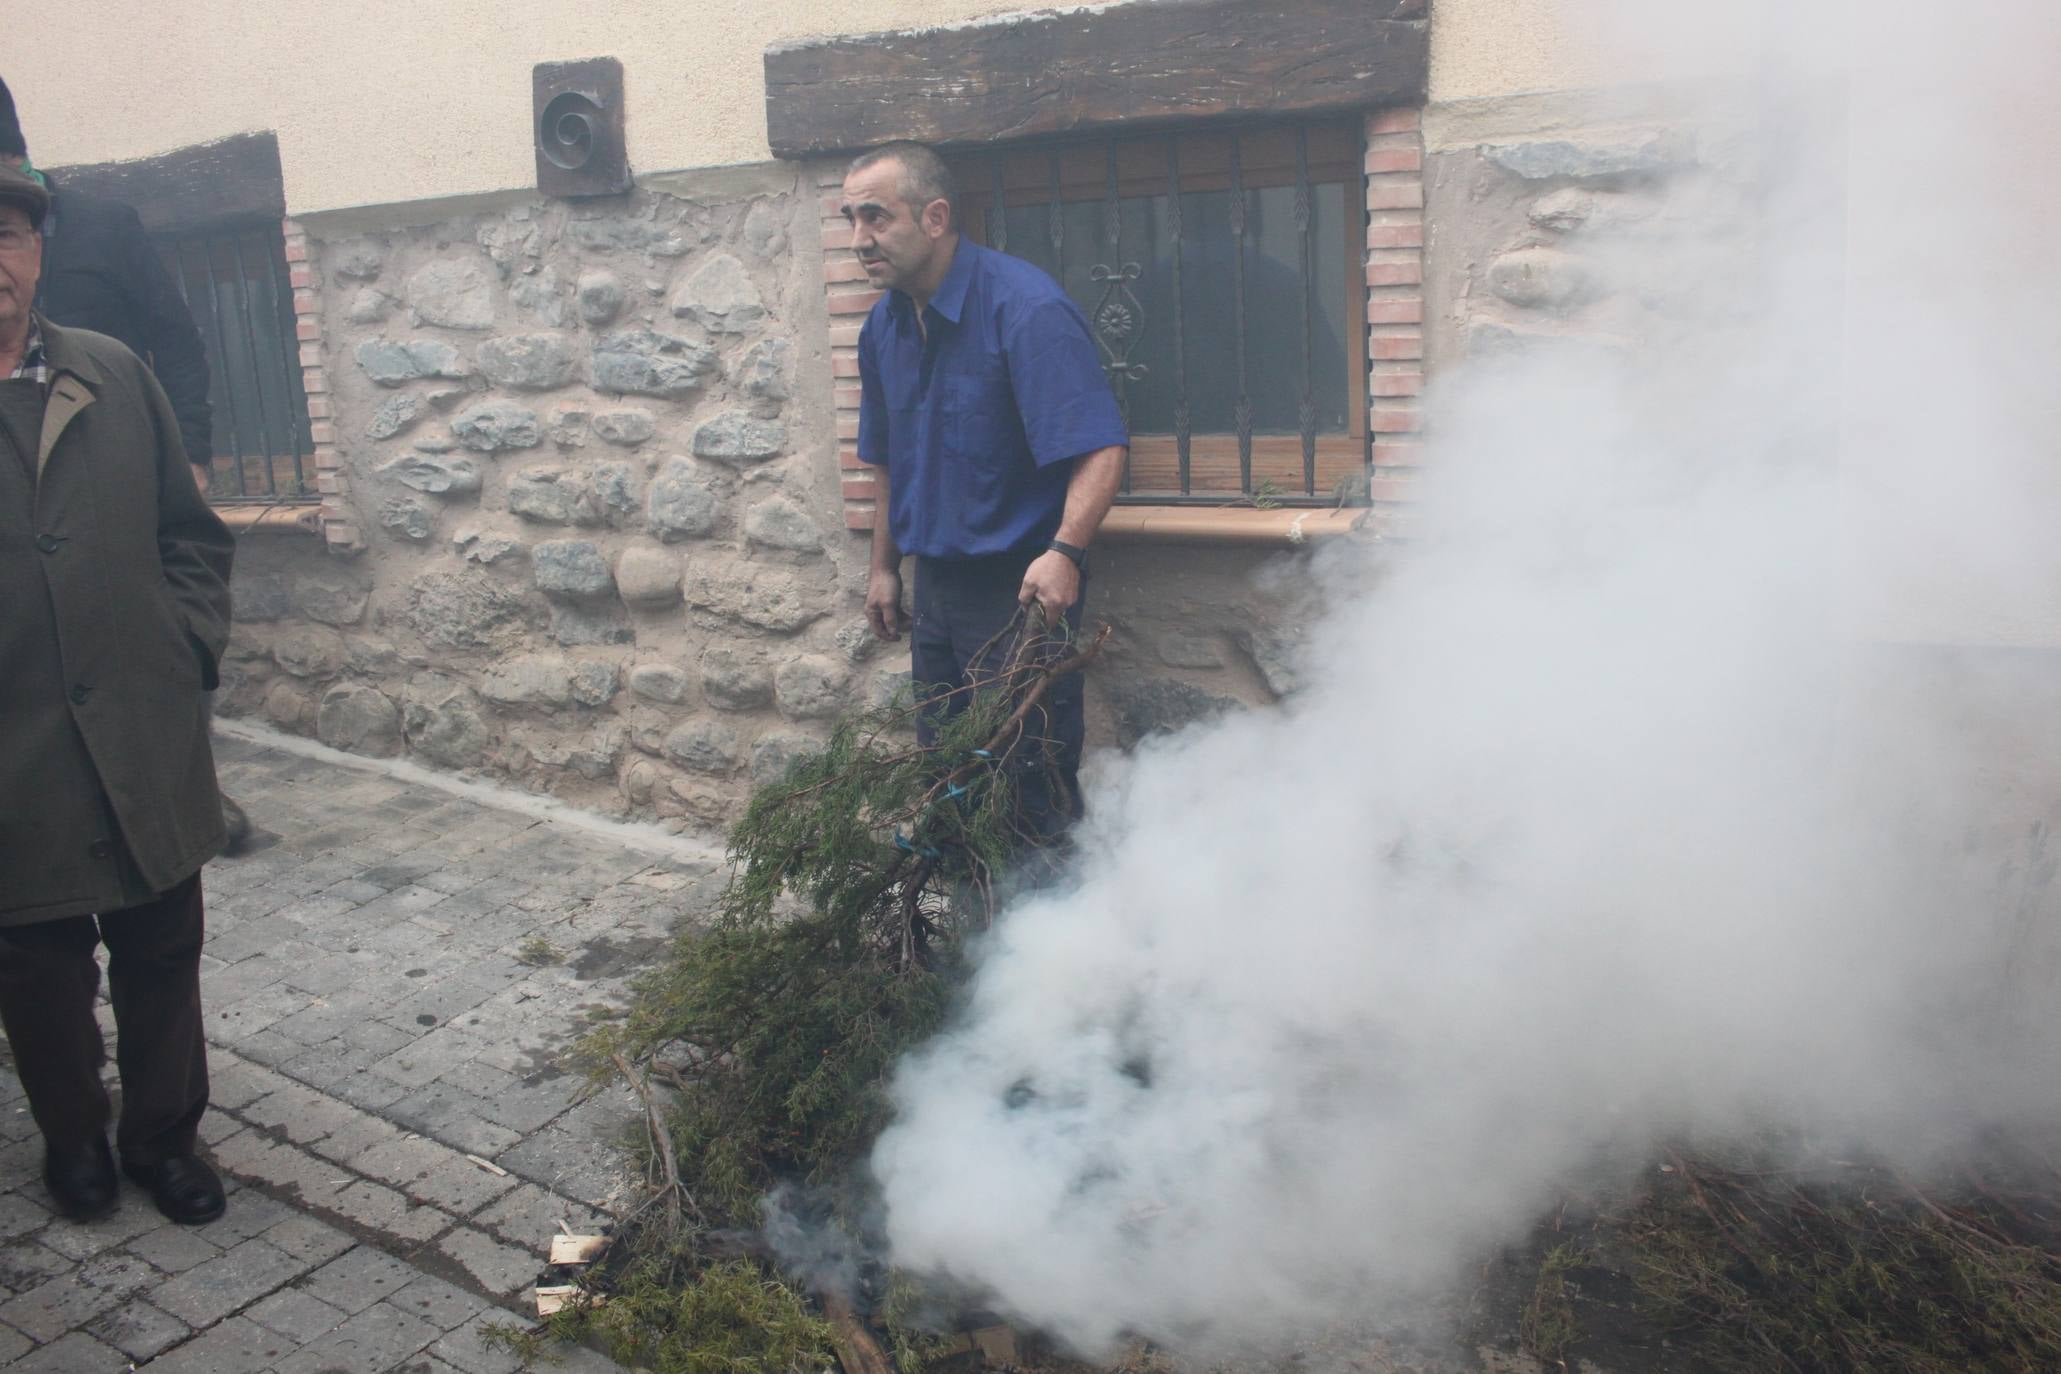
{"x": 884, "y": 604}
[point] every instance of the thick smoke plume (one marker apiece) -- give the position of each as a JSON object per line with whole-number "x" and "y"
{"x": 1614, "y": 809}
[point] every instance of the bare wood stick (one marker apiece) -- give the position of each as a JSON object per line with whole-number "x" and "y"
{"x": 857, "y": 1351}
{"x": 661, "y": 1138}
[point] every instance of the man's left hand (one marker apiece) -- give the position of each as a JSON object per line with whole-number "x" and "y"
{"x": 1053, "y": 582}
{"x": 200, "y": 477}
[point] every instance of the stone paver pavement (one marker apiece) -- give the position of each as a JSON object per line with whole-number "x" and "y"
{"x": 391, "y": 982}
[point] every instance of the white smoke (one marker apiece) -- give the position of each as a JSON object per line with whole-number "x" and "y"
{"x": 1599, "y": 821}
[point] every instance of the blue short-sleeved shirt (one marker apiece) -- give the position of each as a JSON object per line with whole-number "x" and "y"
{"x": 980, "y": 422}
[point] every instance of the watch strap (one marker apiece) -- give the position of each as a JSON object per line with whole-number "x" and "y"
{"x": 1078, "y": 554}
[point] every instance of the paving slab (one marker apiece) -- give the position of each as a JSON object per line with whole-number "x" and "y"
{"x": 390, "y": 1105}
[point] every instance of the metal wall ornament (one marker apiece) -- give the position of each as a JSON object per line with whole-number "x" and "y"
{"x": 578, "y": 128}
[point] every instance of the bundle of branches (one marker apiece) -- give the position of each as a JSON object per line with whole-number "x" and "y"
{"x": 1770, "y": 1260}
{"x": 763, "y": 1044}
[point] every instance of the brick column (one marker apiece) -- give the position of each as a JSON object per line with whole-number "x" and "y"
{"x": 1395, "y": 299}
{"x": 339, "y": 529}
{"x": 849, "y": 298}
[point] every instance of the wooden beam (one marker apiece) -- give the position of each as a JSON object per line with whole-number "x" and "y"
{"x": 231, "y": 181}
{"x": 1131, "y": 64}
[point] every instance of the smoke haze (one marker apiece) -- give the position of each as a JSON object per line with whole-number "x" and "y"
{"x": 1596, "y": 823}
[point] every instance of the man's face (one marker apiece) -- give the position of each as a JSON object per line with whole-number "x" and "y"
{"x": 21, "y": 262}
{"x": 894, "y": 240}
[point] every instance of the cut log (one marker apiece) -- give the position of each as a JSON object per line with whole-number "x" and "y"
{"x": 856, "y": 1349}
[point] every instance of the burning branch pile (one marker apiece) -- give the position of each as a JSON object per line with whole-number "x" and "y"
{"x": 762, "y": 1045}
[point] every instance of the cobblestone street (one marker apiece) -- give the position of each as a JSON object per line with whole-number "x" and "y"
{"x": 391, "y": 975}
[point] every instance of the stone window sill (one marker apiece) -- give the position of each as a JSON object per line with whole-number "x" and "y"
{"x": 1284, "y": 527}
{"x": 300, "y": 517}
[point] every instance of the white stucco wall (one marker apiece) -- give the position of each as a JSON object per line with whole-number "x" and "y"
{"x": 389, "y": 101}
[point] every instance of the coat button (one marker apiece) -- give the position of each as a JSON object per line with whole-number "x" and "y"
{"x": 49, "y": 543}
{"x": 100, "y": 849}
{"x": 79, "y": 694}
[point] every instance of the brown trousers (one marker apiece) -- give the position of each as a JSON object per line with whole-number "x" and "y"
{"x": 48, "y": 980}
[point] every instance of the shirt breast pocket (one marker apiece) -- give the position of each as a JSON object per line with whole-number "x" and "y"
{"x": 981, "y": 425}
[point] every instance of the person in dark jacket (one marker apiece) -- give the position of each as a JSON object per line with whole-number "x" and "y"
{"x": 114, "y": 620}
{"x": 100, "y": 272}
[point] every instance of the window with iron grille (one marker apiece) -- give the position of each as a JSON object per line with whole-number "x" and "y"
{"x": 1221, "y": 275}
{"x": 235, "y": 283}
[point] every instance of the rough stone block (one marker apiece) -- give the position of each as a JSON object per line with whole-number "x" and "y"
{"x": 648, "y": 578}
{"x": 549, "y": 496}
{"x": 599, "y": 296}
{"x": 593, "y": 682}
{"x": 410, "y": 517}
{"x": 389, "y": 363}
{"x": 394, "y": 415}
{"x": 359, "y": 719}
{"x": 625, "y": 427}
{"x": 440, "y": 723}
{"x": 682, "y": 505}
{"x": 452, "y": 295}
{"x": 774, "y": 754}
{"x": 777, "y": 523}
{"x": 754, "y": 595}
{"x": 740, "y": 439}
{"x": 721, "y": 298}
{"x": 703, "y": 746}
{"x": 645, "y": 362}
{"x": 528, "y": 362}
{"x": 734, "y": 681}
{"x": 571, "y": 568}
{"x": 659, "y": 682}
{"x": 436, "y": 475}
{"x": 763, "y": 371}
{"x": 529, "y": 680}
{"x": 492, "y": 426}
{"x": 484, "y": 546}
{"x": 309, "y": 651}
{"x": 812, "y": 687}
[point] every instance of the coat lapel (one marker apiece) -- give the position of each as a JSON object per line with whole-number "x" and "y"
{"x": 68, "y": 396}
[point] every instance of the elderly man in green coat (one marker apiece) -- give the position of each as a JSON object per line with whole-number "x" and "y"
{"x": 114, "y": 610}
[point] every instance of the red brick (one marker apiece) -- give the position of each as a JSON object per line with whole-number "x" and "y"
{"x": 307, "y": 328}
{"x": 846, "y": 397}
{"x": 853, "y": 303}
{"x": 1397, "y": 121}
{"x": 1395, "y": 383}
{"x": 318, "y": 408}
{"x": 311, "y": 353}
{"x": 328, "y": 483}
{"x": 322, "y": 432}
{"x": 844, "y": 364}
{"x": 1380, "y": 160}
{"x": 1387, "y": 419}
{"x": 847, "y": 424}
{"x": 860, "y": 488}
{"x": 1397, "y": 193}
{"x": 1387, "y": 347}
{"x": 1381, "y": 488}
{"x": 845, "y": 335}
{"x": 314, "y": 379}
{"x": 1396, "y": 310}
{"x": 858, "y": 517}
{"x": 849, "y": 460}
{"x": 306, "y": 303}
{"x": 1396, "y": 235}
{"x": 296, "y": 249}
{"x": 1397, "y": 453}
{"x": 843, "y": 268}
{"x": 831, "y": 202}
{"x": 1395, "y": 273}
{"x": 300, "y": 275}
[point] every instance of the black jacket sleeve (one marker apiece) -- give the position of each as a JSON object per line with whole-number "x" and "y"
{"x": 170, "y": 338}
{"x": 193, "y": 545}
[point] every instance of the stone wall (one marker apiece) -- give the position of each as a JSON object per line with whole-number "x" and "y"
{"x": 603, "y": 553}
{"x": 592, "y": 457}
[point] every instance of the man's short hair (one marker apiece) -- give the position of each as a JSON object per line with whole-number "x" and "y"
{"x": 924, "y": 178}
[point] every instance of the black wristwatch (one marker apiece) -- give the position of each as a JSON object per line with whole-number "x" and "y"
{"x": 1073, "y": 551}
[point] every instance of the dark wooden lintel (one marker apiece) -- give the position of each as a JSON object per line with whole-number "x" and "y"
{"x": 231, "y": 181}
{"x": 1136, "y": 64}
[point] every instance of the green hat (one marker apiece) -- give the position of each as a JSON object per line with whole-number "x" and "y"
{"x": 19, "y": 188}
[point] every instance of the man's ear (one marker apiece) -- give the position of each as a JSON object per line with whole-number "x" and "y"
{"x": 937, "y": 218}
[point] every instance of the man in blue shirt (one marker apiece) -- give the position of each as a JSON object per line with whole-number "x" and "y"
{"x": 999, "y": 443}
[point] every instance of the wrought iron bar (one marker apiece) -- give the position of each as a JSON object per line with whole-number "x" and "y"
{"x": 221, "y": 358}
{"x": 282, "y": 320}
{"x": 998, "y": 213}
{"x": 250, "y": 341}
{"x": 1173, "y": 219}
{"x": 1243, "y": 413}
{"x": 1055, "y": 225}
{"x": 1117, "y": 324}
{"x": 1308, "y": 412}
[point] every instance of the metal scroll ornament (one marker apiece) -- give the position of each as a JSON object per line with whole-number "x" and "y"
{"x": 567, "y": 131}
{"x": 1119, "y": 321}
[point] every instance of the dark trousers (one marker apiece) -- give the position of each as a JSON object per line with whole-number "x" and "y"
{"x": 48, "y": 980}
{"x": 961, "y": 606}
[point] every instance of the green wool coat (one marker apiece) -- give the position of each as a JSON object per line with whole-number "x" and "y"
{"x": 114, "y": 611}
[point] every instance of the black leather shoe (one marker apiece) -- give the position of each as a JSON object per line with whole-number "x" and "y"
{"x": 184, "y": 1188}
{"x": 82, "y": 1179}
